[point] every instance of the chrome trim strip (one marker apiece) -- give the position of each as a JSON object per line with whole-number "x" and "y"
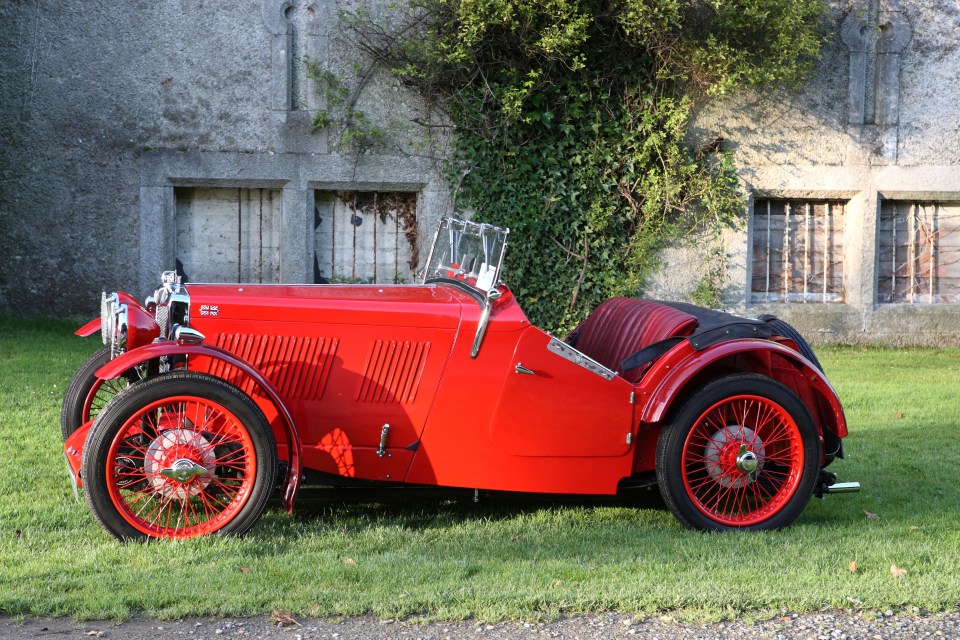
{"x": 567, "y": 352}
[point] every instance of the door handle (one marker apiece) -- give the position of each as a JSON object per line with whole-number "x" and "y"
{"x": 522, "y": 369}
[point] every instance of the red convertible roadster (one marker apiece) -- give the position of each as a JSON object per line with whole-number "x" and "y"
{"x": 208, "y": 397}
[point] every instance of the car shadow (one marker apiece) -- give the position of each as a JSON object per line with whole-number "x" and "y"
{"x": 420, "y": 510}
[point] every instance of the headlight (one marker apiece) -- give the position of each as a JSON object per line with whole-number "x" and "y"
{"x": 108, "y": 303}
{"x": 113, "y": 323}
{"x": 119, "y": 343}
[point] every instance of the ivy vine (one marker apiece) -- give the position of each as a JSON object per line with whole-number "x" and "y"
{"x": 571, "y": 122}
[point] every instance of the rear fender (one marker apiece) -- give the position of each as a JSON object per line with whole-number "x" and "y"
{"x": 669, "y": 378}
{"x": 156, "y": 350}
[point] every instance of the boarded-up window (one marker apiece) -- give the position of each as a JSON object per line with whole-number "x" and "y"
{"x": 918, "y": 252}
{"x": 797, "y": 251}
{"x": 228, "y": 235}
{"x": 365, "y": 237}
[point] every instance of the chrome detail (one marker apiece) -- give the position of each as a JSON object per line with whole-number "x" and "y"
{"x": 633, "y": 397}
{"x": 470, "y": 251}
{"x": 169, "y": 280}
{"x": 492, "y": 295}
{"x": 717, "y": 456}
{"x": 170, "y": 304}
{"x": 843, "y": 487}
{"x": 177, "y": 442}
{"x": 522, "y": 369}
{"x": 113, "y": 323}
{"x": 119, "y": 342}
{"x": 629, "y": 438}
{"x": 747, "y": 462}
{"x": 184, "y": 470}
{"x": 567, "y": 352}
{"x": 382, "y": 449}
{"x": 186, "y": 335}
{"x": 107, "y": 304}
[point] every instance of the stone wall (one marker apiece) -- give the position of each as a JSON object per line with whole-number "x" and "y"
{"x": 106, "y": 109}
{"x": 878, "y": 125}
{"x": 109, "y": 110}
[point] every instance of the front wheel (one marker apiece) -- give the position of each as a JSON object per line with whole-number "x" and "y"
{"x": 179, "y": 456}
{"x": 742, "y": 453}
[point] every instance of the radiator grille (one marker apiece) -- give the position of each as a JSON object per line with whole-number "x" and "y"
{"x": 393, "y": 371}
{"x": 297, "y": 366}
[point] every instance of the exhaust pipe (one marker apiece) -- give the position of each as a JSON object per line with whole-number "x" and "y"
{"x": 828, "y": 484}
{"x": 841, "y": 487}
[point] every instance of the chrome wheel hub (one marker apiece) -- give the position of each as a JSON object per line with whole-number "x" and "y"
{"x": 183, "y": 470}
{"x": 179, "y": 463}
{"x": 747, "y": 462}
{"x": 734, "y": 456}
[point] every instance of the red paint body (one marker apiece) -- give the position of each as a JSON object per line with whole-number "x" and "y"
{"x": 330, "y": 365}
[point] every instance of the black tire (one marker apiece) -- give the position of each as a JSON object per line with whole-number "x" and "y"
{"x": 72, "y": 413}
{"x": 179, "y": 422}
{"x": 700, "y": 453}
{"x": 784, "y": 329}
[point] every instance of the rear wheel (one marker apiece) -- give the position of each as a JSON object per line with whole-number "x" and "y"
{"x": 179, "y": 456}
{"x": 742, "y": 453}
{"x": 786, "y": 330}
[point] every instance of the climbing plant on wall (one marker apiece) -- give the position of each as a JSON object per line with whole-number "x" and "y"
{"x": 570, "y": 122}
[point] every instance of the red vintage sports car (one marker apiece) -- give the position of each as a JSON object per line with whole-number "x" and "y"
{"x": 208, "y": 397}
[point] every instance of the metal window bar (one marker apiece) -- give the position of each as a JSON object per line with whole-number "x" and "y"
{"x": 932, "y": 237}
{"x": 376, "y": 214}
{"x": 893, "y": 258}
{"x": 796, "y": 261}
{"x": 260, "y": 248}
{"x": 787, "y": 268}
{"x": 827, "y": 248}
{"x": 912, "y": 253}
{"x": 806, "y": 249}
{"x": 239, "y": 235}
{"x": 766, "y": 290}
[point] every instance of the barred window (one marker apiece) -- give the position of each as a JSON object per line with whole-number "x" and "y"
{"x": 228, "y": 235}
{"x": 365, "y": 237}
{"x": 797, "y": 252}
{"x": 918, "y": 249}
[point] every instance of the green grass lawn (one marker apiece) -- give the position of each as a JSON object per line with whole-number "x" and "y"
{"x": 506, "y": 558}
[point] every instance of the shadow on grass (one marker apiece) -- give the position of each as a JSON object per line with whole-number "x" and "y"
{"x": 421, "y": 513}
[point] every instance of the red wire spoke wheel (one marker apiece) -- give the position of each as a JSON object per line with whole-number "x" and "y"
{"x": 743, "y": 452}
{"x": 179, "y": 456}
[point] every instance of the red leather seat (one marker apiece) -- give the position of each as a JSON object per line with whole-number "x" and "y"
{"x": 620, "y": 327}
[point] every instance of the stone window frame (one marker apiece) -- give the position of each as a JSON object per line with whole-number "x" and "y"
{"x": 847, "y": 199}
{"x": 884, "y": 195}
{"x": 295, "y": 175}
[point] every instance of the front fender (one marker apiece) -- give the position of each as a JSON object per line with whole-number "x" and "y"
{"x": 88, "y": 329}
{"x": 140, "y": 355}
{"x": 662, "y": 386}
{"x": 93, "y": 326}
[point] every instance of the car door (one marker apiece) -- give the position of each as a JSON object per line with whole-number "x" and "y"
{"x": 557, "y": 402}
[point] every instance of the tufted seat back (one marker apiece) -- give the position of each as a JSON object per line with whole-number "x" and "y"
{"x": 620, "y": 327}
